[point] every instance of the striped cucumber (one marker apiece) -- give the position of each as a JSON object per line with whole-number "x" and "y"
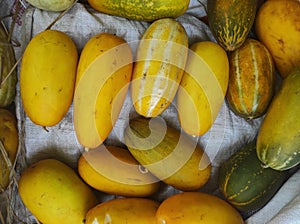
{"x": 251, "y": 79}
{"x": 231, "y": 21}
{"x": 161, "y": 58}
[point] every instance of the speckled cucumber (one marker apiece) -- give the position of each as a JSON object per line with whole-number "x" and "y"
{"x": 245, "y": 183}
{"x": 231, "y": 21}
{"x": 167, "y": 153}
{"x": 8, "y": 79}
{"x": 141, "y": 10}
{"x": 278, "y": 141}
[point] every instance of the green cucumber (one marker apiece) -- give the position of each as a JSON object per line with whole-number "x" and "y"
{"x": 8, "y": 79}
{"x": 246, "y": 183}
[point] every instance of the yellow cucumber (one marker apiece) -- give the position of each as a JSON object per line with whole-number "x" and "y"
{"x": 195, "y": 208}
{"x": 54, "y": 193}
{"x": 277, "y": 27}
{"x": 203, "y": 87}
{"x": 103, "y": 75}
{"x": 161, "y": 58}
{"x": 47, "y": 77}
{"x": 124, "y": 210}
{"x": 113, "y": 170}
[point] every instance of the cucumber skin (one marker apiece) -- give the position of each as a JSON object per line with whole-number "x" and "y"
{"x": 246, "y": 183}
